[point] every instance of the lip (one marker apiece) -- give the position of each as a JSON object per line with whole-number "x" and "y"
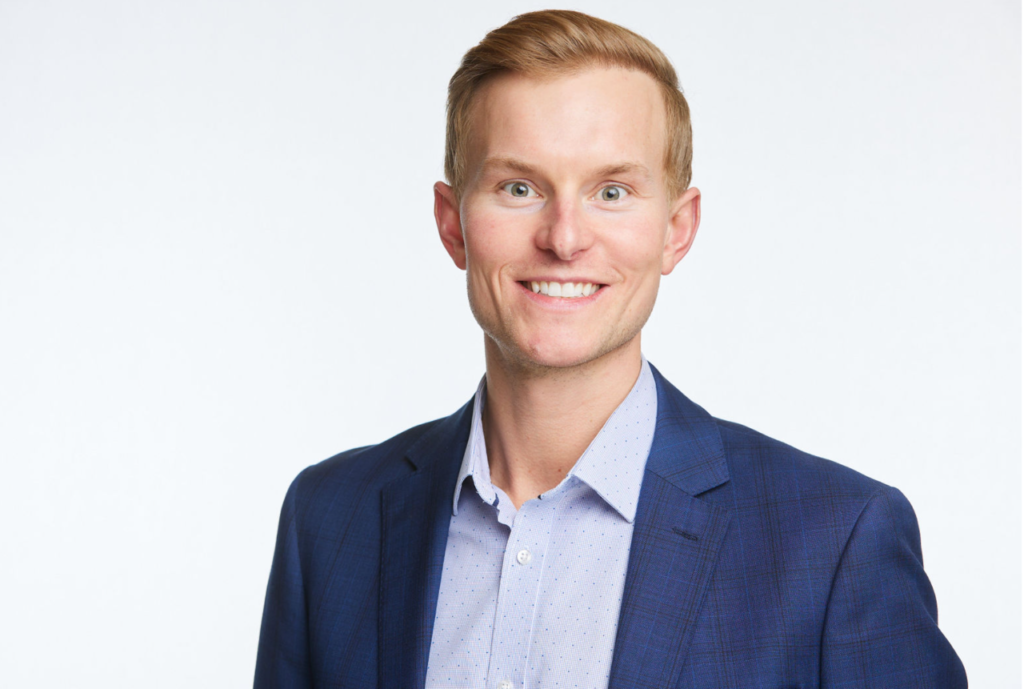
{"x": 561, "y": 280}
{"x": 561, "y": 302}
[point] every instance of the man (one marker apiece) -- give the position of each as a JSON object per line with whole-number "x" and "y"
{"x": 580, "y": 522}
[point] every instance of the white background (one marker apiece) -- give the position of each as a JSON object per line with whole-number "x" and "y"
{"x": 218, "y": 265}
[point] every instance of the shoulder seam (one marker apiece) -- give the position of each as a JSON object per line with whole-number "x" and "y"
{"x": 842, "y": 554}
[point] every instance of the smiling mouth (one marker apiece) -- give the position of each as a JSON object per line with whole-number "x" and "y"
{"x": 565, "y": 290}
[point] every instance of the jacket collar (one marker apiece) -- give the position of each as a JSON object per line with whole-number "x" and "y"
{"x": 676, "y": 542}
{"x": 415, "y": 514}
{"x": 687, "y": 450}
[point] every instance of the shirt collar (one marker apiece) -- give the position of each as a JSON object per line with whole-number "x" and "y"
{"x": 613, "y": 463}
{"x": 474, "y": 461}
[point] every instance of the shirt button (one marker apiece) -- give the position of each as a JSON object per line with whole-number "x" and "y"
{"x": 505, "y": 684}
{"x": 523, "y": 558}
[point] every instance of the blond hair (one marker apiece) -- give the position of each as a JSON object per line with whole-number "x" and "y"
{"x": 553, "y": 42}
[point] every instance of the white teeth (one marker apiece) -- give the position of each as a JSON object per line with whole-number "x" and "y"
{"x": 565, "y": 290}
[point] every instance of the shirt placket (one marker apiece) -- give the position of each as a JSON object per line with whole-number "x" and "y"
{"x": 521, "y": 574}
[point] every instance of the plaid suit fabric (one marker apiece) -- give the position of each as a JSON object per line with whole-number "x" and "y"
{"x": 820, "y": 581}
{"x": 322, "y": 609}
{"x": 752, "y": 565}
{"x": 879, "y": 630}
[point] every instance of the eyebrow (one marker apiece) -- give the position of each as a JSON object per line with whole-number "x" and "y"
{"x": 507, "y": 163}
{"x": 524, "y": 168}
{"x": 625, "y": 169}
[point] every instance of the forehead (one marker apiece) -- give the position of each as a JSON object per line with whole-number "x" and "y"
{"x": 570, "y": 123}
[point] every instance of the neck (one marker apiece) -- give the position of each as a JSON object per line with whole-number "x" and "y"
{"x": 538, "y": 422}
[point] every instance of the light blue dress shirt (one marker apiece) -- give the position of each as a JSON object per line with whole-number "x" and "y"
{"x": 530, "y": 598}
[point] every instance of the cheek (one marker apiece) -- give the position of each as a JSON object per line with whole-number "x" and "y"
{"x": 483, "y": 240}
{"x": 494, "y": 241}
{"x": 638, "y": 247}
{"x": 489, "y": 248}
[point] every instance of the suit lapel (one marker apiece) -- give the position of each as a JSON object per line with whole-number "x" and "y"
{"x": 416, "y": 512}
{"x": 675, "y": 546}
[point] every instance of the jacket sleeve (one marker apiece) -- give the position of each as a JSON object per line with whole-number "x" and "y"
{"x": 282, "y": 661}
{"x": 881, "y": 626}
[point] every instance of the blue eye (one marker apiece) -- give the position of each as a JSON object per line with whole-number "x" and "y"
{"x": 520, "y": 190}
{"x": 612, "y": 193}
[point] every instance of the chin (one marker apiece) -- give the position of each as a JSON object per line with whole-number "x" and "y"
{"x": 538, "y": 347}
{"x": 545, "y": 353}
{"x": 560, "y": 358}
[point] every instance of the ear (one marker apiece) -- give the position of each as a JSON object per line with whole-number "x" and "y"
{"x": 682, "y": 228}
{"x": 449, "y": 225}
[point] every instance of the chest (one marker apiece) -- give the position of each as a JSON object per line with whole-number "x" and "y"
{"x": 532, "y": 600}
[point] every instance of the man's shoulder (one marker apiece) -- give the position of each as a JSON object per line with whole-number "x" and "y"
{"x": 362, "y": 468}
{"x": 760, "y": 467}
{"x": 778, "y": 494}
{"x": 763, "y": 465}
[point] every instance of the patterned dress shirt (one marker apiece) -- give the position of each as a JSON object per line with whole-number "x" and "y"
{"x": 530, "y": 598}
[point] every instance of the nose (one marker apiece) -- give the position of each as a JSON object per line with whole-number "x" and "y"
{"x": 564, "y": 231}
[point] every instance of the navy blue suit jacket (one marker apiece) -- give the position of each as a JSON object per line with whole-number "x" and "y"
{"x": 752, "y": 565}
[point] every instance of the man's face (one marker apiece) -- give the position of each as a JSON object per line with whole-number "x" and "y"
{"x": 566, "y": 194}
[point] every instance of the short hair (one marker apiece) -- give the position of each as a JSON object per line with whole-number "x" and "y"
{"x": 554, "y": 42}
